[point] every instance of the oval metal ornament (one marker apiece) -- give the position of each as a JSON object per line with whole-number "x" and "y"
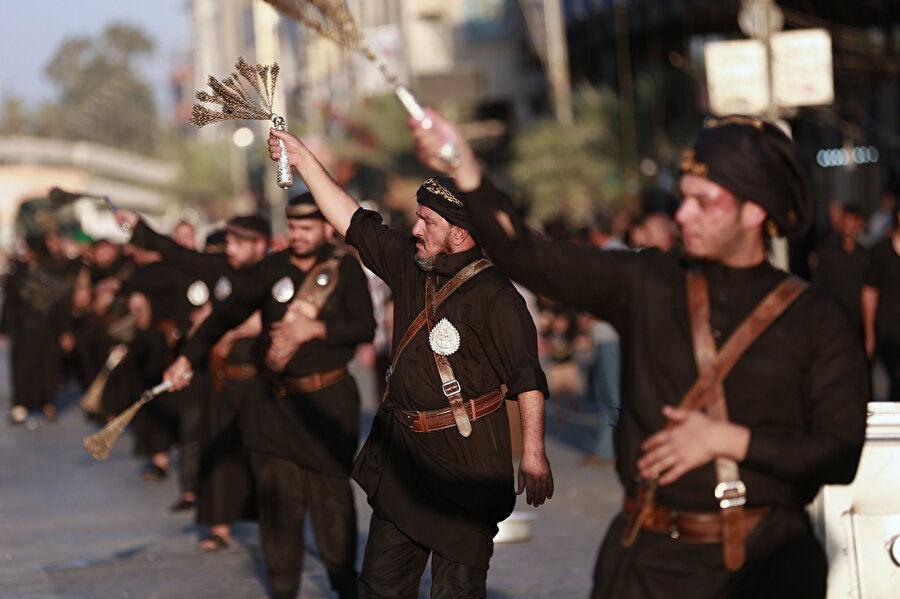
{"x": 198, "y": 293}
{"x": 283, "y": 290}
{"x": 222, "y": 289}
{"x": 322, "y": 279}
{"x": 444, "y": 338}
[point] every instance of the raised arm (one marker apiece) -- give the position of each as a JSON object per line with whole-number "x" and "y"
{"x": 335, "y": 203}
{"x": 192, "y": 261}
{"x": 597, "y": 281}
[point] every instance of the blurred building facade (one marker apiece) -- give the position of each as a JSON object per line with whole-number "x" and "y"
{"x": 665, "y": 39}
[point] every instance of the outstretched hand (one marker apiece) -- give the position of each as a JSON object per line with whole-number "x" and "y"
{"x": 292, "y": 144}
{"x": 431, "y": 136}
{"x": 127, "y": 219}
{"x": 177, "y": 373}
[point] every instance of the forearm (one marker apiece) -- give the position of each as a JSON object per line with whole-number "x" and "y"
{"x": 336, "y": 204}
{"x": 531, "y": 412}
{"x": 869, "y": 308}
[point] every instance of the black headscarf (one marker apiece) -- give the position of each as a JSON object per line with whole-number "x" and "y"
{"x": 302, "y": 205}
{"x": 757, "y": 162}
{"x": 441, "y": 195}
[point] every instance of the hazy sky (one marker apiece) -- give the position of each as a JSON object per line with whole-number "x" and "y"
{"x": 31, "y": 32}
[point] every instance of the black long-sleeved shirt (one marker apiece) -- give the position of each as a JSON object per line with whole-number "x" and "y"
{"x": 347, "y": 314}
{"x": 801, "y": 388}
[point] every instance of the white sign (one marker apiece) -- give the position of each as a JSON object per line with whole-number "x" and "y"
{"x": 737, "y": 77}
{"x": 801, "y": 68}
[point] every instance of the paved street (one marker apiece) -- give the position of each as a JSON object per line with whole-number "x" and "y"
{"x": 76, "y": 528}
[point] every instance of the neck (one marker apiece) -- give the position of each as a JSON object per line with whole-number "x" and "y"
{"x": 849, "y": 243}
{"x": 745, "y": 257}
{"x": 303, "y": 264}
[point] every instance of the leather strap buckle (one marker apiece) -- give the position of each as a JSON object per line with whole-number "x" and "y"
{"x": 410, "y": 416}
{"x": 451, "y": 388}
{"x": 731, "y": 494}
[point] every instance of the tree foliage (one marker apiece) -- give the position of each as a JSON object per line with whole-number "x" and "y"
{"x": 570, "y": 170}
{"x": 102, "y": 98}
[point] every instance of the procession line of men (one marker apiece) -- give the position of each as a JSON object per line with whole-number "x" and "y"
{"x": 743, "y": 389}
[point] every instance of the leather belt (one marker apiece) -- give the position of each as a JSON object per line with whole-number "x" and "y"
{"x": 287, "y": 385}
{"x": 426, "y": 421}
{"x": 688, "y": 526}
{"x": 228, "y": 371}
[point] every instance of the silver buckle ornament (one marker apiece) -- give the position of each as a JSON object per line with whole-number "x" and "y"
{"x": 731, "y": 494}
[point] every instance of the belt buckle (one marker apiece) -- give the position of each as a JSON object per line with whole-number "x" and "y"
{"x": 451, "y": 388}
{"x": 731, "y": 494}
{"x": 410, "y": 414}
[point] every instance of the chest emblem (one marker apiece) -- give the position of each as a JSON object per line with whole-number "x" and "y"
{"x": 222, "y": 289}
{"x": 198, "y": 293}
{"x": 283, "y": 290}
{"x": 444, "y": 338}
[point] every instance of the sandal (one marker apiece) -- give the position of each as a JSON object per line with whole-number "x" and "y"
{"x": 154, "y": 474}
{"x": 215, "y": 543}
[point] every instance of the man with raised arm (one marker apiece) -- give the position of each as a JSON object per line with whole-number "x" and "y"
{"x": 437, "y": 466}
{"x": 730, "y": 424}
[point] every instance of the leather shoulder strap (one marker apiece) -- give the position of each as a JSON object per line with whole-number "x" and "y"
{"x": 464, "y": 274}
{"x": 766, "y": 312}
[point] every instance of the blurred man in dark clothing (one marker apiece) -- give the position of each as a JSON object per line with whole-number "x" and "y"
{"x": 881, "y": 305}
{"x": 841, "y": 267}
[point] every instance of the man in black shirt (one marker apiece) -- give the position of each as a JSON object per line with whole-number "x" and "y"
{"x": 715, "y": 497}
{"x": 439, "y": 476}
{"x": 304, "y": 429}
{"x": 842, "y": 263}
{"x": 881, "y": 305}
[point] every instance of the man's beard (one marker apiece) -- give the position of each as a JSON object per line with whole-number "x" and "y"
{"x": 428, "y": 262}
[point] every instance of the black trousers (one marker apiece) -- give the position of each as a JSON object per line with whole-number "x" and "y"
{"x": 393, "y": 565}
{"x": 285, "y": 492}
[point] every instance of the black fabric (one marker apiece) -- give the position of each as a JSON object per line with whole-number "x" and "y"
{"x": 801, "y": 388}
{"x": 842, "y": 274}
{"x": 303, "y": 205}
{"x": 36, "y": 309}
{"x": 442, "y": 490}
{"x": 884, "y": 276}
{"x": 757, "y": 162}
{"x": 226, "y": 491}
{"x": 441, "y": 195}
{"x": 393, "y": 565}
{"x": 250, "y": 226}
{"x": 784, "y": 560}
{"x": 320, "y": 430}
{"x": 286, "y": 492}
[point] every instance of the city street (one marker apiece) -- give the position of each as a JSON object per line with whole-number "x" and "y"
{"x": 76, "y": 528}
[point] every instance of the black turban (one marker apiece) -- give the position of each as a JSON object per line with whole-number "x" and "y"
{"x": 252, "y": 227}
{"x": 757, "y": 162}
{"x": 441, "y": 195}
{"x": 302, "y": 205}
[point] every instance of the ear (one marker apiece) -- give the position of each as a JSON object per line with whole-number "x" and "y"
{"x": 329, "y": 231}
{"x": 752, "y": 215}
{"x": 458, "y": 235}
